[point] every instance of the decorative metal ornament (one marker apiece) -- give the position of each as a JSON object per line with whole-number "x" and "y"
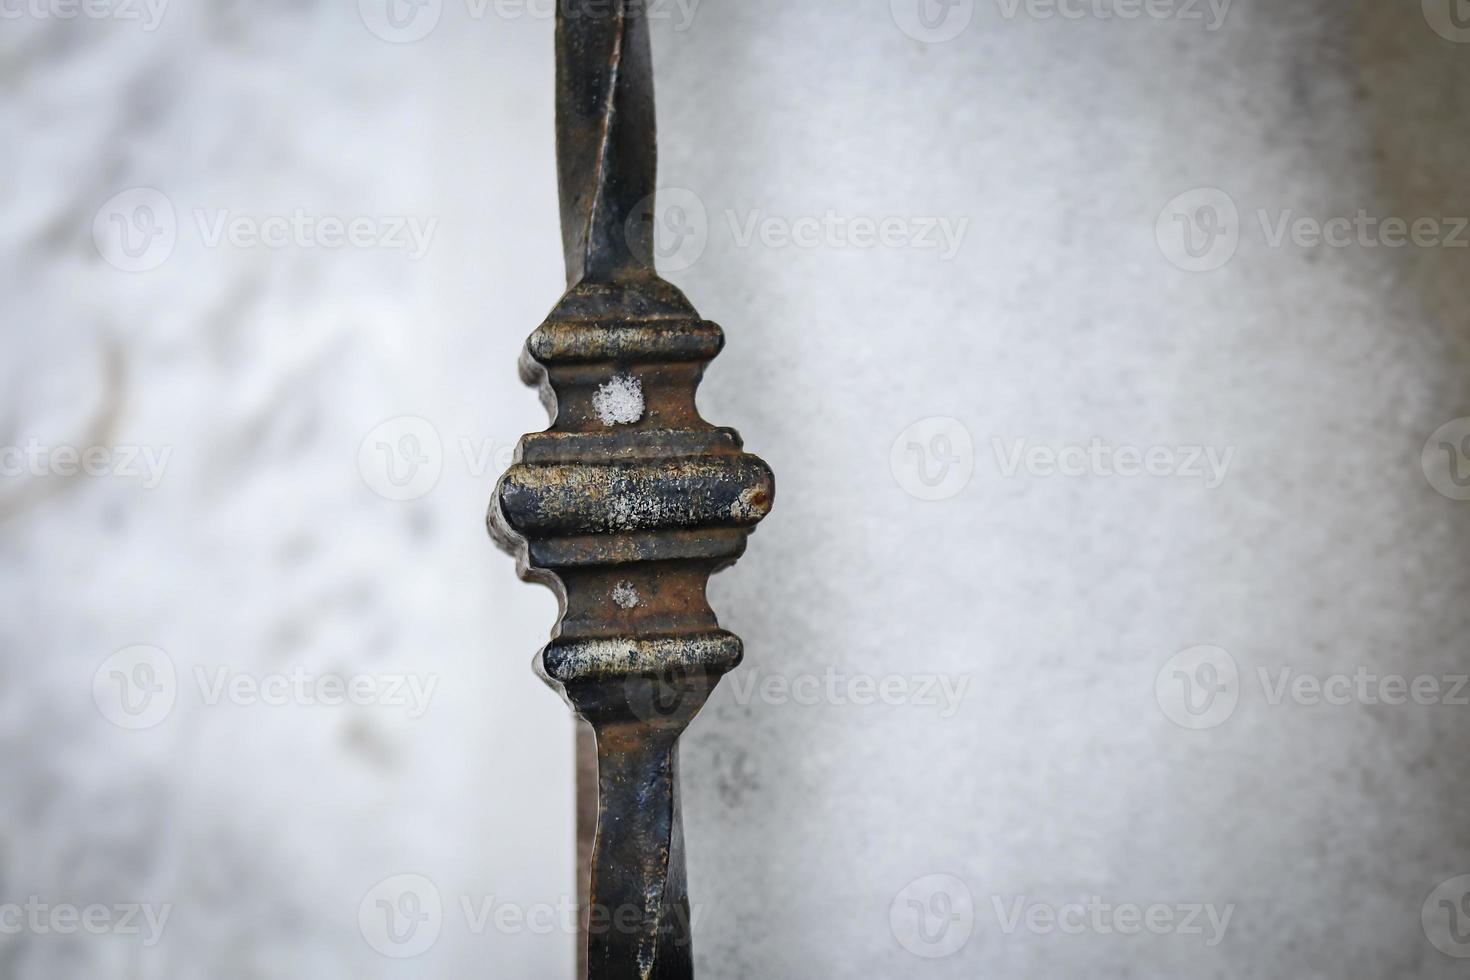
{"x": 630, "y": 500}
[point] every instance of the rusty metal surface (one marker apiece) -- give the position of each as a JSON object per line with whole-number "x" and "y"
{"x": 630, "y": 500}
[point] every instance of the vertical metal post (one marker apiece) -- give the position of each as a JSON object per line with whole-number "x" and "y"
{"x": 630, "y": 500}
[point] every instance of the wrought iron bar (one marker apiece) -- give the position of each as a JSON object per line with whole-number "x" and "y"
{"x": 630, "y": 500}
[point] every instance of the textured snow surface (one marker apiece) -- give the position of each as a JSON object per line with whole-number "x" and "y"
{"x": 619, "y": 401}
{"x": 327, "y": 422}
{"x": 625, "y": 595}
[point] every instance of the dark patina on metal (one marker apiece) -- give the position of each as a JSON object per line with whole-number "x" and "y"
{"x": 630, "y": 500}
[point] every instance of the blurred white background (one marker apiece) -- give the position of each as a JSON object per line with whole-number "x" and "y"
{"x": 272, "y": 263}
